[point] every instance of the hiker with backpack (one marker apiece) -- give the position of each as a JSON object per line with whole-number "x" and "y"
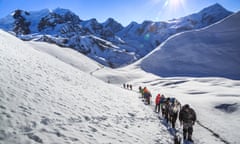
{"x": 147, "y": 95}
{"x": 174, "y": 109}
{"x": 162, "y": 101}
{"x": 187, "y": 118}
{"x": 167, "y": 109}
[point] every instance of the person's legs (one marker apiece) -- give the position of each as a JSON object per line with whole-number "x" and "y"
{"x": 184, "y": 133}
{"x": 174, "y": 119}
{"x": 156, "y": 108}
{"x": 173, "y": 124}
{"x": 159, "y": 109}
{"x": 190, "y": 131}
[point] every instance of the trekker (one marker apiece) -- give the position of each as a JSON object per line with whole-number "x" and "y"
{"x": 124, "y": 85}
{"x": 145, "y": 91}
{"x": 157, "y": 102}
{"x": 162, "y": 105}
{"x": 172, "y": 100}
{"x": 175, "y": 107}
{"x": 140, "y": 89}
{"x": 130, "y": 86}
{"x": 147, "y": 95}
{"x": 167, "y": 109}
{"x": 187, "y": 118}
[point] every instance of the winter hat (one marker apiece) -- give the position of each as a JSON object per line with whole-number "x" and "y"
{"x": 186, "y": 106}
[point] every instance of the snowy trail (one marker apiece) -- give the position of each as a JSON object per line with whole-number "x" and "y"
{"x": 179, "y": 129}
{"x": 213, "y": 133}
{"x": 203, "y": 94}
{"x": 96, "y": 70}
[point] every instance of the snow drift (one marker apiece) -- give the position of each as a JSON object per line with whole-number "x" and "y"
{"x": 212, "y": 51}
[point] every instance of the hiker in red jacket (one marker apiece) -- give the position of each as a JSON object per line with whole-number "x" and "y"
{"x": 157, "y": 102}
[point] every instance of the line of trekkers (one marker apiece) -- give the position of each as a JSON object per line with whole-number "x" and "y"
{"x": 171, "y": 109}
{"x": 127, "y": 86}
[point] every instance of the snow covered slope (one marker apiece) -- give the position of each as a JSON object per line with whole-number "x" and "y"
{"x": 212, "y": 51}
{"x": 44, "y": 100}
{"x": 68, "y": 56}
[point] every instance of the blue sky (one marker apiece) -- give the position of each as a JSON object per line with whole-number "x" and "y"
{"x": 124, "y": 11}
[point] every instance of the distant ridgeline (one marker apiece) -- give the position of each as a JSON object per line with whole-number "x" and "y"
{"x": 109, "y": 42}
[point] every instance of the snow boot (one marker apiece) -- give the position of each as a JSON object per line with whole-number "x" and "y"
{"x": 177, "y": 139}
{"x": 190, "y": 138}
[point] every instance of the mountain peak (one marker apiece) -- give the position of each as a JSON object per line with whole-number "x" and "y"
{"x": 19, "y": 12}
{"x": 110, "y": 20}
{"x": 62, "y": 11}
{"x": 112, "y": 26}
{"x": 214, "y": 7}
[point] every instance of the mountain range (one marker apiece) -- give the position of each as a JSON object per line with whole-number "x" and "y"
{"x": 109, "y": 43}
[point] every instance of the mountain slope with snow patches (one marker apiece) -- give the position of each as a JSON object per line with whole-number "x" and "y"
{"x": 44, "y": 100}
{"x": 212, "y": 51}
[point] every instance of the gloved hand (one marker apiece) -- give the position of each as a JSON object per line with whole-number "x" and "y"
{"x": 193, "y": 122}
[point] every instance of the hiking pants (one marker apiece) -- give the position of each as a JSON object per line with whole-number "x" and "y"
{"x": 157, "y": 108}
{"x": 187, "y": 130}
{"x": 174, "y": 119}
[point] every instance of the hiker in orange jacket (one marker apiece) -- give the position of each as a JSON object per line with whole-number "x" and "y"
{"x": 147, "y": 95}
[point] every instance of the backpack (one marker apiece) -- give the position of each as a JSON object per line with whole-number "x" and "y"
{"x": 172, "y": 100}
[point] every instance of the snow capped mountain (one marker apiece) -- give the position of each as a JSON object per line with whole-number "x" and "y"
{"x": 201, "y": 19}
{"x": 64, "y": 28}
{"x": 211, "y": 51}
{"x": 151, "y": 34}
{"x": 106, "y": 29}
{"x": 112, "y": 25}
{"x": 55, "y": 22}
{"x": 19, "y": 18}
{"x": 101, "y": 50}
